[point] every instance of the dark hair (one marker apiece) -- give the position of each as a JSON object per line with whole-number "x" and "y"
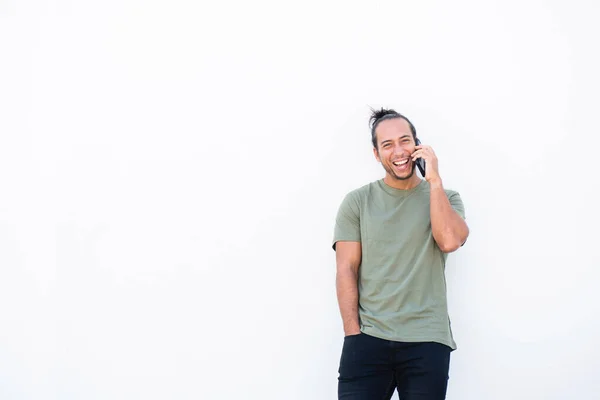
{"x": 383, "y": 114}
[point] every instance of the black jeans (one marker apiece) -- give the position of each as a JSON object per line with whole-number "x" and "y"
{"x": 372, "y": 368}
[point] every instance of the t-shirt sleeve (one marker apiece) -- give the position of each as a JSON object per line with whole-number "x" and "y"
{"x": 347, "y": 221}
{"x": 456, "y": 203}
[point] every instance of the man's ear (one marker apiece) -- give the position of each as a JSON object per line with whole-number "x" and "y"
{"x": 376, "y": 153}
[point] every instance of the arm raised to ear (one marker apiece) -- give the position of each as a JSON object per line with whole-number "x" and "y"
{"x": 449, "y": 228}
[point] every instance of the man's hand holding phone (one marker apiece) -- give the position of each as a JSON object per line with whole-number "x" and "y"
{"x": 431, "y": 170}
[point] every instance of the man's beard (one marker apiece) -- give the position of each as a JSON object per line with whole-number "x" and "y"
{"x": 391, "y": 172}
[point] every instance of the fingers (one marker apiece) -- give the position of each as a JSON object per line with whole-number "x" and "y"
{"x": 423, "y": 152}
{"x": 423, "y": 147}
{"x": 417, "y": 154}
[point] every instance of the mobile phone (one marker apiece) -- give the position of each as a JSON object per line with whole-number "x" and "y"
{"x": 419, "y": 161}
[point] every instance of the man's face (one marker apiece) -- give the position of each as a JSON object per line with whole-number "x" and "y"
{"x": 395, "y": 144}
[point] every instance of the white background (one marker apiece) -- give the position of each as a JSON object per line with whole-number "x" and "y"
{"x": 170, "y": 174}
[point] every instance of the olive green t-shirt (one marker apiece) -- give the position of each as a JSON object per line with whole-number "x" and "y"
{"x": 401, "y": 282}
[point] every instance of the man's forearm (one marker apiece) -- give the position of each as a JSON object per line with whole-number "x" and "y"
{"x": 449, "y": 229}
{"x": 347, "y": 294}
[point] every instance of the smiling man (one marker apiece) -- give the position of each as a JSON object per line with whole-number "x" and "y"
{"x": 392, "y": 238}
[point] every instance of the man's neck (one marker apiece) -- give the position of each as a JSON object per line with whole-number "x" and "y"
{"x": 402, "y": 184}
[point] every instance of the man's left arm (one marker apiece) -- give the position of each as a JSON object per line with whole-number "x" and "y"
{"x": 449, "y": 229}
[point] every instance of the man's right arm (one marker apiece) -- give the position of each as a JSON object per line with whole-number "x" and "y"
{"x": 348, "y": 258}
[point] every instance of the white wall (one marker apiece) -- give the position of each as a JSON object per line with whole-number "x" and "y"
{"x": 170, "y": 173}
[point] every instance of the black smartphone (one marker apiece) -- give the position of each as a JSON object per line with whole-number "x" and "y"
{"x": 419, "y": 161}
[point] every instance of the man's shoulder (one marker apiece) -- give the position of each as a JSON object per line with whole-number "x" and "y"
{"x": 452, "y": 193}
{"x": 361, "y": 192}
{"x": 449, "y": 191}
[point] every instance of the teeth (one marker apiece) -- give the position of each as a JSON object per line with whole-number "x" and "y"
{"x": 397, "y": 163}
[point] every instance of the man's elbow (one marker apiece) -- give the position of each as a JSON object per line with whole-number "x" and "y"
{"x": 345, "y": 269}
{"x": 451, "y": 244}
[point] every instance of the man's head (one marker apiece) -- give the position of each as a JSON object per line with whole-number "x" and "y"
{"x": 394, "y": 140}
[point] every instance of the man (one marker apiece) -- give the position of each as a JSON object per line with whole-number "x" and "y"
{"x": 392, "y": 238}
